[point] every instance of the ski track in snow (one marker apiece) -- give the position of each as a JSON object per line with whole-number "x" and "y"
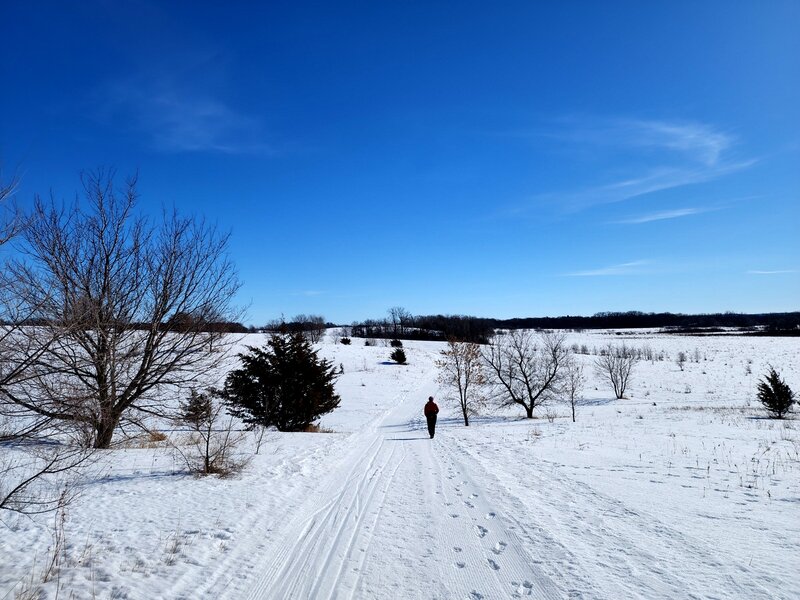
{"x": 406, "y": 520}
{"x": 669, "y": 495}
{"x": 406, "y": 516}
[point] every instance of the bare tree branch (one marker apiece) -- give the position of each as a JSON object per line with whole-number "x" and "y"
{"x": 100, "y": 287}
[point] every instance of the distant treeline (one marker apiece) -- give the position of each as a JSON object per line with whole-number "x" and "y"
{"x": 479, "y": 329}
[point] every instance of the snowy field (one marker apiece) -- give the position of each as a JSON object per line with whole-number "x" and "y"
{"x": 683, "y": 490}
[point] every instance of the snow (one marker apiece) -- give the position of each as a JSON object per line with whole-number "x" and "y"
{"x": 682, "y": 490}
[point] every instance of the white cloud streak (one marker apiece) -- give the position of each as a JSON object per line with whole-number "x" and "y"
{"x": 629, "y": 268}
{"x": 664, "y": 215}
{"x": 176, "y": 117}
{"x": 668, "y": 155}
{"x": 775, "y": 272}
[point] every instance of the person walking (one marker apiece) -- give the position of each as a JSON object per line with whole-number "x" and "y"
{"x": 431, "y": 410}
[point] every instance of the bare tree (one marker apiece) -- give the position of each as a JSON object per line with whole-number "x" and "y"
{"x": 312, "y": 326}
{"x": 461, "y": 369}
{"x": 574, "y": 380}
{"x": 680, "y": 360}
{"x": 616, "y": 364}
{"x": 400, "y": 320}
{"x": 526, "y": 369}
{"x": 101, "y": 285}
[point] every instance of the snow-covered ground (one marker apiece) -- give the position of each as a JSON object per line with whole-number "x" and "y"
{"x": 684, "y": 490}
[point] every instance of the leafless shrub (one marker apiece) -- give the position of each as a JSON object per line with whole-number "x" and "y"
{"x": 616, "y": 364}
{"x": 574, "y": 381}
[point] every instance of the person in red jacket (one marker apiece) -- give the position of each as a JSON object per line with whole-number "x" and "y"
{"x": 431, "y": 410}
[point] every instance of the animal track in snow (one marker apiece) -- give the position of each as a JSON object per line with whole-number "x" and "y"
{"x": 468, "y": 504}
{"x": 490, "y": 515}
{"x": 460, "y": 564}
{"x": 473, "y": 595}
{"x": 456, "y": 549}
{"x": 482, "y": 531}
{"x": 493, "y": 564}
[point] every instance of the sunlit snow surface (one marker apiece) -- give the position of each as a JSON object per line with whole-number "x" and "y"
{"x": 682, "y": 490}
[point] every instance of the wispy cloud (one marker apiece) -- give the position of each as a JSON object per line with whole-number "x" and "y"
{"x": 628, "y": 268}
{"x": 660, "y": 155}
{"x": 775, "y": 272}
{"x": 697, "y": 142}
{"x": 176, "y": 116}
{"x": 665, "y": 214}
{"x": 308, "y": 293}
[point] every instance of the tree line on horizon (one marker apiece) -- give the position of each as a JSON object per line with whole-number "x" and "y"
{"x": 400, "y": 324}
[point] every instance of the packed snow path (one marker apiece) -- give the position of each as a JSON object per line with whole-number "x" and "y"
{"x": 398, "y": 515}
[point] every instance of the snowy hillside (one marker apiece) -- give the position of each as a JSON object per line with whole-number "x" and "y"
{"x": 682, "y": 490}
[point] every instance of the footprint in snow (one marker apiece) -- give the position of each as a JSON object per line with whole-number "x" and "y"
{"x": 468, "y": 504}
{"x": 499, "y": 547}
{"x": 473, "y": 595}
{"x": 523, "y": 589}
{"x": 461, "y": 565}
{"x": 482, "y": 531}
{"x": 490, "y": 515}
{"x": 493, "y": 564}
{"x": 456, "y": 549}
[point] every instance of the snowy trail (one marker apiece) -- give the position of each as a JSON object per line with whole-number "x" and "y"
{"x": 397, "y": 515}
{"x": 400, "y": 517}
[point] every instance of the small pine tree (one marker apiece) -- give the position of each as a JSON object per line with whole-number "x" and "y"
{"x": 211, "y": 447}
{"x": 284, "y": 385}
{"x": 775, "y": 395}
{"x": 396, "y": 344}
{"x": 345, "y": 341}
{"x": 398, "y": 356}
{"x": 197, "y": 409}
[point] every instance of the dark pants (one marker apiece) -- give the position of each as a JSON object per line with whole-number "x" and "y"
{"x": 431, "y": 424}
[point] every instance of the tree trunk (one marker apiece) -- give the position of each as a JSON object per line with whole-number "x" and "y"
{"x": 104, "y": 432}
{"x": 529, "y": 412}
{"x": 466, "y": 417}
{"x": 573, "y": 412}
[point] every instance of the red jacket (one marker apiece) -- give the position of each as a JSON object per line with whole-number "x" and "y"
{"x": 431, "y": 408}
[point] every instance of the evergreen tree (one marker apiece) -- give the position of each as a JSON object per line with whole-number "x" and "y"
{"x": 284, "y": 384}
{"x": 775, "y": 395}
{"x": 398, "y": 356}
{"x": 197, "y": 409}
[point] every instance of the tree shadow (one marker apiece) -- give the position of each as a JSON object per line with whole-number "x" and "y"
{"x": 595, "y": 401}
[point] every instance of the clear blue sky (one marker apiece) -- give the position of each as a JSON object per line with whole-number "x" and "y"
{"x": 490, "y": 158}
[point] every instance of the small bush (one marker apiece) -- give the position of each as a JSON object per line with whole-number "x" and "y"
{"x": 775, "y": 395}
{"x": 396, "y": 344}
{"x": 212, "y": 441}
{"x": 345, "y": 341}
{"x": 398, "y": 356}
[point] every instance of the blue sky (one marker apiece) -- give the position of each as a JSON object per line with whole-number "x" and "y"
{"x": 498, "y": 159}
